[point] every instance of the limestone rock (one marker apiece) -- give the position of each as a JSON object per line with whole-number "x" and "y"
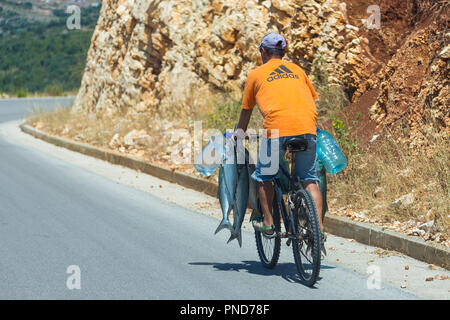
{"x": 445, "y": 53}
{"x": 137, "y": 139}
{"x": 143, "y": 141}
{"x": 427, "y": 226}
{"x": 403, "y": 202}
{"x": 149, "y": 55}
{"x": 128, "y": 140}
{"x": 115, "y": 142}
{"x": 79, "y": 137}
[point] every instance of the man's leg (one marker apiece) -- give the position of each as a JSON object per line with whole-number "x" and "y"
{"x": 265, "y": 191}
{"x": 313, "y": 189}
{"x": 266, "y": 170}
{"x": 305, "y": 169}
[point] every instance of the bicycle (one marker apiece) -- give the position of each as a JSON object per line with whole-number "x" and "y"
{"x": 301, "y": 225}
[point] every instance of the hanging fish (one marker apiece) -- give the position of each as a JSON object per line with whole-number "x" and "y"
{"x": 228, "y": 177}
{"x": 241, "y": 201}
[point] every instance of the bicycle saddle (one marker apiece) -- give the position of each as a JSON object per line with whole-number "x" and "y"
{"x": 296, "y": 144}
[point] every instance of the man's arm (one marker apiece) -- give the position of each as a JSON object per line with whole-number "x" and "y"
{"x": 244, "y": 119}
{"x": 248, "y": 102}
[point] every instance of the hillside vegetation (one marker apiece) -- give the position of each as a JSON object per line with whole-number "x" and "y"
{"x": 38, "y": 53}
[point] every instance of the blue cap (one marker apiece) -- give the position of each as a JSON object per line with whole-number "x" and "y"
{"x": 273, "y": 41}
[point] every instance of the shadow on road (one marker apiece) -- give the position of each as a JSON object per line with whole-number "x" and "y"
{"x": 287, "y": 271}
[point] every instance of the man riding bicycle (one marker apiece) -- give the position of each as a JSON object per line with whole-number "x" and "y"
{"x": 285, "y": 97}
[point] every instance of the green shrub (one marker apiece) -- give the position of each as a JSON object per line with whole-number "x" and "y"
{"x": 21, "y": 93}
{"x": 54, "y": 90}
{"x": 345, "y": 140}
{"x": 225, "y": 114}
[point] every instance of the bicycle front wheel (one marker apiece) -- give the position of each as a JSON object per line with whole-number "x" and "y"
{"x": 306, "y": 245}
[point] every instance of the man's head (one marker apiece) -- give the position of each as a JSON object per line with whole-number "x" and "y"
{"x": 272, "y": 45}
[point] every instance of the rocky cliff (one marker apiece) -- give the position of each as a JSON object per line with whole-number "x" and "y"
{"x": 413, "y": 80}
{"x": 153, "y": 54}
{"x": 149, "y": 55}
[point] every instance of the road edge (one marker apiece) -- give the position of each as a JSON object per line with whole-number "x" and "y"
{"x": 339, "y": 226}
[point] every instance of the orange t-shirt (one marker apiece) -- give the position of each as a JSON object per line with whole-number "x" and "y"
{"x": 285, "y": 97}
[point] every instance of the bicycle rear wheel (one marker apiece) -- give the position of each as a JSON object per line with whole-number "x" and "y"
{"x": 269, "y": 249}
{"x": 306, "y": 246}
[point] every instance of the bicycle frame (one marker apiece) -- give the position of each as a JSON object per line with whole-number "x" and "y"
{"x": 279, "y": 202}
{"x": 301, "y": 227}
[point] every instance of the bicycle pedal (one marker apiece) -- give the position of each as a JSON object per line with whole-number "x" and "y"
{"x": 288, "y": 242}
{"x": 308, "y": 248}
{"x": 324, "y": 251}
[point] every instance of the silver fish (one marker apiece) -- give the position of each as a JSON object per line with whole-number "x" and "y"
{"x": 227, "y": 188}
{"x": 241, "y": 201}
{"x": 253, "y": 192}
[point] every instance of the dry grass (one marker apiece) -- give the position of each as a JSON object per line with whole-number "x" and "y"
{"x": 390, "y": 170}
{"x": 99, "y": 130}
{"x": 216, "y": 110}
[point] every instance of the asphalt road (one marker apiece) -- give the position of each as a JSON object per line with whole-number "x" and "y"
{"x": 127, "y": 243}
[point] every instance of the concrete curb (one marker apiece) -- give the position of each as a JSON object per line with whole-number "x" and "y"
{"x": 129, "y": 162}
{"x": 339, "y": 226}
{"x": 380, "y": 237}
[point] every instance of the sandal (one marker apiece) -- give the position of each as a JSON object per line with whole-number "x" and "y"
{"x": 263, "y": 229}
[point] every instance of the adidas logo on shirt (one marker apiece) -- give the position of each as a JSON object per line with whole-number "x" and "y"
{"x": 282, "y": 72}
